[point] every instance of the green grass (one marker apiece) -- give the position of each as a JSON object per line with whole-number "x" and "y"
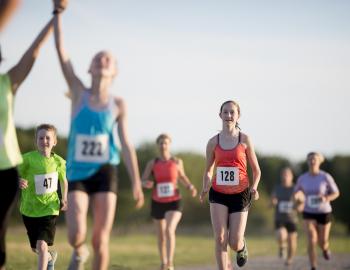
{"x": 139, "y": 250}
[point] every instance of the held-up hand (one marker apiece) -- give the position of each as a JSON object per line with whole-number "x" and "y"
{"x": 59, "y": 5}
{"x": 203, "y": 194}
{"x": 255, "y": 194}
{"x": 324, "y": 198}
{"x": 138, "y": 196}
{"x": 23, "y": 184}
{"x": 193, "y": 190}
{"x": 64, "y": 205}
{"x": 148, "y": 184}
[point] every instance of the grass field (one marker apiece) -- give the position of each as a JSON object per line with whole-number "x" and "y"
{"x": 139, "y": 250}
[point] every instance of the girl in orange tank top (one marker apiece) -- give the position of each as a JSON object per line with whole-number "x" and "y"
{"x": 165, "y": 174}
{"x": 226, "y": 180}
{"x": 166, "y": 200}
{"x": 231, "y": 175}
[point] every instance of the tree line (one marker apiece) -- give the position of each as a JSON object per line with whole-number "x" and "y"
{"x": 195, "y": 213}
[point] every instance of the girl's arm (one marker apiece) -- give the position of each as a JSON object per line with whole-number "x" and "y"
{"x": 129, "y": 155}
{"x": 146, "y": 182}
{"x": 208, "y": 168}
{"x": 21, "y": 70}
{"x": 253, "y": 161}
{"x": 184, "y": 179}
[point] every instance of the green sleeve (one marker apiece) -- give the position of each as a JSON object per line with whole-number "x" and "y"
{"x": 61, "y": 169}
{"x": 23, "y": 167}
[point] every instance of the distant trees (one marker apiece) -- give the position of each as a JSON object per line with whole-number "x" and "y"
{"x": 195, "y": 213}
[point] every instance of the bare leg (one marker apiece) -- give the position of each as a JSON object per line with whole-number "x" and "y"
{"x": 292, "y": 246}
{"x": 160, "y": 228}
{"x": 238, "y": 222}
{"x": 281, "y": 235}
{"x": 311, "y": 231}
{"x": 103, "y": 208}
{"x": 76, "y": 219}
{"x": 43, "y": 254}
{"x": 219, "y": 218}
{"x": 172, "y": 220}
{"x": 323, "y": 235}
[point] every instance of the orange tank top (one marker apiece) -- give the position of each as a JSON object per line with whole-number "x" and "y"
{"x": 230, "y": 169}
{"x": 165, "y": 174}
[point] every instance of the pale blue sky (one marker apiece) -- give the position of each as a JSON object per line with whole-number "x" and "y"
{"x": 286, "y": 62}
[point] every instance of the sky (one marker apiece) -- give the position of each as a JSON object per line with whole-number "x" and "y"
{"x": 286, "y": 63}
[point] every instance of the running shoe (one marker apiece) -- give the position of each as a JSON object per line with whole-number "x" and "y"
{"x": 51, "y": 262}
{"x": 282, "y": 253}
{"x": 326, "y": 254}
{"x": 77, "y": 261}
{"x": 242, "y": 255}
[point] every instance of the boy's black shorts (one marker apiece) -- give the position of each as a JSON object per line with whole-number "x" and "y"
{"x": 40, "y": 228}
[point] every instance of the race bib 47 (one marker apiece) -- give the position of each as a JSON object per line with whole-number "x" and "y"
{"x": 45, "y": 183}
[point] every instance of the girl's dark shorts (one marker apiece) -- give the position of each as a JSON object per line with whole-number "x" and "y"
{"x": 239, "y": 202}
{"x": 321, "y": 219}
{"x": 159, "y": 209}
{"x": 290, "y": 226}
{"x": 40, "y": 228}
{"x": 104, "y": 180}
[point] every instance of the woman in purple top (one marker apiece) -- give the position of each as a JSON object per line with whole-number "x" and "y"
{"x": 319, "y": 190}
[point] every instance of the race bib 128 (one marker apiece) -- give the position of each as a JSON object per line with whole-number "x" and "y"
{"x": 45, "y": 183}
{"x": 227, "y": 176}
{"x": 92, "y": 148}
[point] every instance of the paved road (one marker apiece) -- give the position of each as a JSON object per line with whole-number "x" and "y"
{"x": 338, "y": 262}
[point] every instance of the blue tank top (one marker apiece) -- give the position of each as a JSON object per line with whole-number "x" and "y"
{"x": 91, "y": 141}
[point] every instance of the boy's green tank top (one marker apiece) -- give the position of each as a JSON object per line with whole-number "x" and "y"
{"x": 40, "y": 198}
{"x": 10, "y": 155}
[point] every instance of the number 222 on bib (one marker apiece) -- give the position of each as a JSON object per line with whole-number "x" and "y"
{"x": 227, "y": 176}
{"x": 92, "y": 148}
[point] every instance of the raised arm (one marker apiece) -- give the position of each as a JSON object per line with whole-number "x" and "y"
{"x": 7, "y": 8}
{"x": 21, "y": 70}
{"x": 74, "y": 83}
{"x": 208, "y": 168}
{"x": 184, "y": 179}
{"x": 253, "y": 161}
{"x": 129, "y": 155}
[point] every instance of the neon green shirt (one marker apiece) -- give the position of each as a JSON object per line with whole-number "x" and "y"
{"x": 40, "y": 198}
{"x": 10, "y": 155}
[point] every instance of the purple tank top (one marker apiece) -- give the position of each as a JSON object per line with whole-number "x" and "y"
{"x": 315, "y": 186}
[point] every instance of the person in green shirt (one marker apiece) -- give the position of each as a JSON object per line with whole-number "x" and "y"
{"x": 39, "y": 201}
{"x": 10, "y": 155}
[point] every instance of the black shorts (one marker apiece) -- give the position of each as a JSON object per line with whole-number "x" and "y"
{"x": 40, "y": 228}
{"x": 239, "y": 202}
{"x": 290, "y": 226}
{"x": 9, "y": 187}
{"x": 104, "y": 180}
{"x": 322, "y": 219}
{"x": 159, "y": 209}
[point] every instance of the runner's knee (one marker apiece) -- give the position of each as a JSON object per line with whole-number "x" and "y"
{"x": 221, "y": 241}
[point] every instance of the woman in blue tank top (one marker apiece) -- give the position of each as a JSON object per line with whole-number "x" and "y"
{"x": 93, "y": 154}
